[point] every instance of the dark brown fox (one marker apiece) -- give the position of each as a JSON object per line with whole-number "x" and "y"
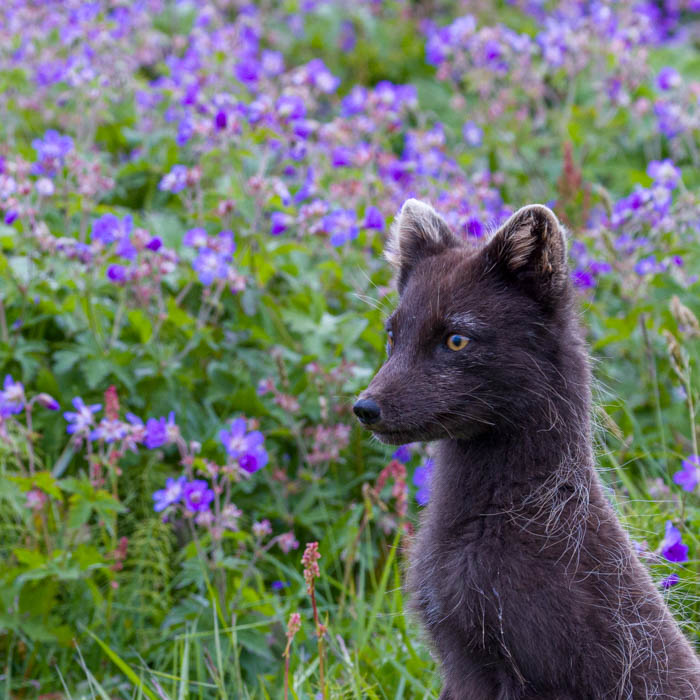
{"x": 521, "y": 573}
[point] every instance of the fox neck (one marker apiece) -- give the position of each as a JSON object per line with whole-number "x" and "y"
{"x": 497, "y": 469}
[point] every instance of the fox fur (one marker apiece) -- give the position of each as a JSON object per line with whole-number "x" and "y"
{"x": 524, "y": 580}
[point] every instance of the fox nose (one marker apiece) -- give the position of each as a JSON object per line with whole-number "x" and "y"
{"x": 367, "y": 411}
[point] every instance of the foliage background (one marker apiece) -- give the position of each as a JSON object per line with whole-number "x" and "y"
{"x": 301, "y": 127}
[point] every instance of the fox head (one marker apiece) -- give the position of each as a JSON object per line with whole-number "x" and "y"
{"x": 481, "y": 338}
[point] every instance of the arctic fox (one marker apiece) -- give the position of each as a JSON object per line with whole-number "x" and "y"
{"x": 524, "y": 580}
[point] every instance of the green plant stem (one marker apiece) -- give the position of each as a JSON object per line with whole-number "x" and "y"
{"x": 4, "y": 334}
{"x": 319, "y": 637}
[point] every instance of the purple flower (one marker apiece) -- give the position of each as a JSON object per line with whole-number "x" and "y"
{"x": 185, "y": 130}
{"x": 117, "y": 274}
{"x": 354, "y": 102}
{"x": 175, "y": 180}
{"x": 321, "y": 77}
{"x": 669, "y": 117}
{"x": 272, "y": 63}
{"x": 374, "y": 218}
{"x": 11, "y": 397}
{"x": 248, "y": 71}
{"x": 279, "y": 585}
{"x": 583, "y": 279}
{"x": 668, "y": 78}
{"x": 171, "y": 494}
{"x": 80, "y": 420}
{"x": 45, "y": 187}
{"x": 290, "y": 107}
{"x": 347, "y": 38}
{"x": 670, "y": 580}
{"x": 474, "y": 227}
{"x": 160, "y": 432}
{"x": 196, "y": 238}
{"x": 246, "y": 448}
{"x": 220, "y": 120}
{"x": 648, "y": 266}
{"x": 109, "y": 430}
{"x": 110, "y": 228}
{"x": 154, "y": 244}
{"x": 403, "y": 454}
{"x": 48, "y": 401}
{"x": 197, "y": 496}
{"x": 224, "y": 244}
{"x": 672, "y": 546}
{"x": 664, "y": 172}
{"x": 51, "y": 152}
{"x": 341, "y": 226}
{"x": 341, "y": 157}
{"x": 689, "y": 476}
{"x": 473, "y": 134}
{"x": 279, "y": 222}
{"x": 209, "y": 266}
{"x": 11, "y": 216}
{"x": 421, "y": 479}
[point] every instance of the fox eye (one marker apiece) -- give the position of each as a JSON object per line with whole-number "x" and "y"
{"x": 457, "y": 342}
{"x": 390, "y": 341}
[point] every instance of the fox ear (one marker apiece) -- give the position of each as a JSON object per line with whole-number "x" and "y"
{"x": 417, "y": 232}
{"x": 530, "y": 248}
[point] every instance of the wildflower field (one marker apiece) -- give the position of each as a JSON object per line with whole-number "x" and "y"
{"x": 194, "y": 199}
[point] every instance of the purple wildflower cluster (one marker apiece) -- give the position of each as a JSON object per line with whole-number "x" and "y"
{"x": 245, "y": 448}
{"x": 214, "y": 257}
{"x": 13, "y": 401}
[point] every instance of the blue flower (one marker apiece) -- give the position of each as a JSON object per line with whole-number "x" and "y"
{"x": 473, "y": 134}
{"x": 672, "y": 546}
{"x": 51, "y": 152}
{"x": 403, "y": 454}
{"x": 196, "y": 238}
{"x": 11, "y": 397}
{"x": 117, "y": 274}
{"x": 668, "y": 78}
{"x": 374, "y": 218}
{"x": 80, "y": 420}
{"x": 175, "y": 180}
{"x": 689, "y": 476}
{"x": 341, "y": 226}
{"x": 209, "y": 266}
{"x": 172, "y": 493}
{"x": 197, "y": 496}
{"x": 279, "y": 222}
{"x": 246, "y": 448}
{"x": 160, "y": 432}
{"x": 109, "y": 430}
{"x": 421, "y": 479}
{"x": 664, "y": 173}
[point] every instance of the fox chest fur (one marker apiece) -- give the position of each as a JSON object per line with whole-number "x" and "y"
{"x": 521, "y": 574}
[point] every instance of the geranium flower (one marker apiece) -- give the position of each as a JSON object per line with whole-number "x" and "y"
{"x": 80, "y": 420}
{"x": 672, "y": 546}
{"x": 51, "y": 152}
{"x": 160, "y": 432}
{"x": 403, "y": 454}
{"x": 11, "y": 397}
{"x": 246, "y": 448}
{"x": 209, "y": 266}
{"x": 197, "y": 496}
{"x": 175, "y": 180}
{"x": 172, "y": 493}
{"x": 689, "y": 476}
{"x": 421, "y": 479}
{"x": 109, "y": 430}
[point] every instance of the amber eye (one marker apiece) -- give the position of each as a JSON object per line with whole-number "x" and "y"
{"x": 457, "y": 342}
{"x": 390, "y": 340}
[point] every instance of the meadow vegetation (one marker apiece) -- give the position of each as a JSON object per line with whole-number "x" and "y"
{"x": 194, "y": 198}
